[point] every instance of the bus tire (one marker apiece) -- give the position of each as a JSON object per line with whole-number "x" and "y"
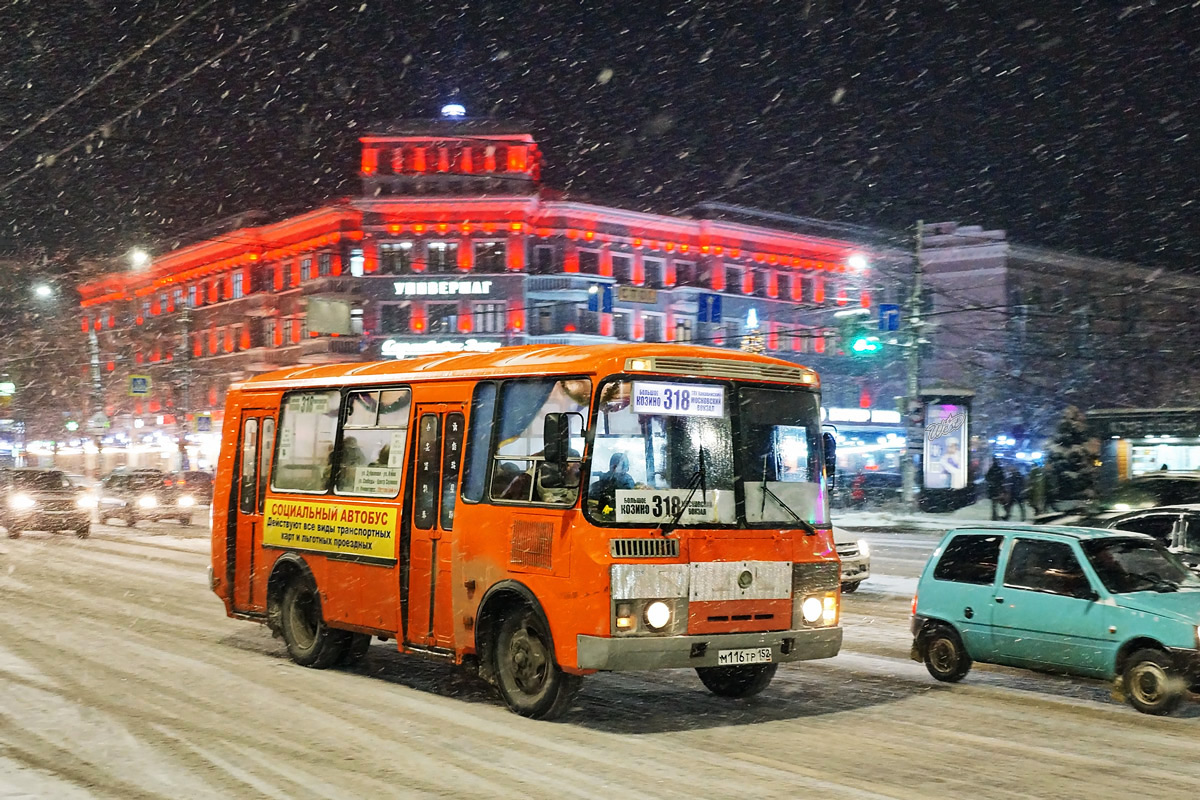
{"x": 310, "y": 642}
{"x": 743, "y": 681}
{"x": 529, "y": 679}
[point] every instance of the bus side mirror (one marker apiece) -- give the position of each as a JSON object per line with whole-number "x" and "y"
{"x": 556, "y": 437}
{"x": 830, "y": 457}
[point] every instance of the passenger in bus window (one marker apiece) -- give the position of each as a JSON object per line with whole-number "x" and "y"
{"x": 604, "y": 488}
{"x": 385, "y": 453}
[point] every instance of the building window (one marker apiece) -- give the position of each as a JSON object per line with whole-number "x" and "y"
{"x": 653, "y": 272}
{"x": 356, "y": 262}
{"x": 285, "y": 275}
{"x": 654, "y": 327}
{"x": 783, "y": 283}
{"x": 443, "y": 257}
{"x": 395, "y": 318}
{"x": 191, "y": 296}
{"x": 489, "y": 257}
{"x": 177, "y": 298}
{"x": 683, "y": 329}
{"x": 239, "y": 290}
{"x": 545, "y": 260}
{"x": 685, "y": 274}
{"x": 622, "y": 268}
{"x": 356, "y": 321}
{"x": 268, "y": 330}
{"x": 306, "y": 269}
{"x": 489, "y": 317}
{"x": 396, "y": 258}
{"x": 541, "y": 320}
{"x": 443, "y": 318}
{"x": 324, "y": 265}
{"x": 762, "y": 279}
{"x": 733, "y": 279}
{"x": 623, "y": 326}
{"x": 589, "y": 262}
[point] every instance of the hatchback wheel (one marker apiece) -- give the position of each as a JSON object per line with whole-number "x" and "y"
{"x": 945, "y": 657}
{"x": 1151, "y": 683}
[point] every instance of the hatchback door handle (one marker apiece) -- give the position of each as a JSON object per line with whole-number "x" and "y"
{"x": 999, "y": 599}
{"x": 968, "y": 612}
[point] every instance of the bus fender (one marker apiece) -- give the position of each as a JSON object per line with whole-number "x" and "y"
{"x": 492, "y": 605}
{"x": 285, "y": 568}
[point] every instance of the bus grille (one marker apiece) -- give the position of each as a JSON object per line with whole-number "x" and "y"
{"x": 729, "y": 368}
{"x": 644, "y": 548}
{"x": 532, "y": 543}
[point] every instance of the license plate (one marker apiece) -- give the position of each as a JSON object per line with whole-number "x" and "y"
{"x": 751, "y": 655}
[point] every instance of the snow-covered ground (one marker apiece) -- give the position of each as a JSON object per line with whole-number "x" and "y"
{"x": 979, "y": 513}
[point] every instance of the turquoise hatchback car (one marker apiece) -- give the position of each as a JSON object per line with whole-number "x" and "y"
{"x": 1080, "y": 601}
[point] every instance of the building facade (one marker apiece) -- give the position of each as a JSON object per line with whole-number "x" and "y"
{"x": 454, "y": 244}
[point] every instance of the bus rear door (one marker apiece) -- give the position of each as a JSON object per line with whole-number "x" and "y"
{"x": 244, "y": 529}
{"x": 436, "y": 468}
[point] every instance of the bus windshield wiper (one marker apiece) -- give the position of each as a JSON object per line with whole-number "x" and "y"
{"x": 699, "y": 480}
{"x": 809, "y": 530}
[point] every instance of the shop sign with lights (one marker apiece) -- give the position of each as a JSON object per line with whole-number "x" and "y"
{"x": 441, "y": 288}
{"x": 395, "y": 348}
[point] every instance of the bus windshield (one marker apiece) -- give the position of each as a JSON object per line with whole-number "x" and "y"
{"x": 660, "y": 442}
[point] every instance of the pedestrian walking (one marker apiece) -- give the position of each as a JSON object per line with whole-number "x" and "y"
{"x": 1037, "y": 490}
{"x": 995, "y": 487}
{"x": 1015, "y": 493}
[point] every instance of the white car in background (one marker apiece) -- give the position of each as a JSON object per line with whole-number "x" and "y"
{"x": 856, "y": 558}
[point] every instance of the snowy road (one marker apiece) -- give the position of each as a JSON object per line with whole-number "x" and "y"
{"x": 120, "y": 677}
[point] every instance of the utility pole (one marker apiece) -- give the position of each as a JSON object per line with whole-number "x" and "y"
{"x": 913, "y": 383}
{"x": 98, "y": 421}
{"x": 184, "y": 400}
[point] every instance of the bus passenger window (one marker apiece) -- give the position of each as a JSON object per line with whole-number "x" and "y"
{"x": 307, "y": 427}
{"x": 483, "y": 407}
{"x": 370, "y": 458}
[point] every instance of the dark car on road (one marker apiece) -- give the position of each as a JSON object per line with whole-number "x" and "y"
{"x": 197, "y": 483}
{"x": 1176, "y": 527}
{"x": 43, "y": 500}
{"x": 1146, "y": 491}
{"x": 143, "y": 494}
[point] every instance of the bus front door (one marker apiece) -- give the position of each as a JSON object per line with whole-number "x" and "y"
{"x": 436, "y": 469}
{"x": 257, "y": 439}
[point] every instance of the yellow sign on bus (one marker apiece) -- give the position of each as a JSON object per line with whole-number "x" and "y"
{"x": 331, "y": 528}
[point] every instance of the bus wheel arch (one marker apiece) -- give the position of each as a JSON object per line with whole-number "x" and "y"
{"x": 517, "y": 655}
{"x": 294, "y": 613}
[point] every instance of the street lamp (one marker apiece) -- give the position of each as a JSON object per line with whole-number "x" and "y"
{"x": 43, "y": 291}
{"x": 138, "y": 258}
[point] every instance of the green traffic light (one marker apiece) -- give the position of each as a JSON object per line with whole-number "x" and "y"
{"x": 866, "y": 344}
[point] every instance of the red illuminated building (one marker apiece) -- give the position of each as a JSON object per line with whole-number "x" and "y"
{"x": 454, "y": 244}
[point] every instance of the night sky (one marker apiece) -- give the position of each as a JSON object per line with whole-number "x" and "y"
{"x": 1073, "y": 125}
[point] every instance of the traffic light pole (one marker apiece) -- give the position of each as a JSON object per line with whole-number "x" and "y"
{"x": 912, "y": 376}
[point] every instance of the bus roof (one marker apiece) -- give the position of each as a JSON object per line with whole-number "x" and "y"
{"x": 673, "y": 359}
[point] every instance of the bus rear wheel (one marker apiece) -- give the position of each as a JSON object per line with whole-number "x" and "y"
{"x": 529, "y": 680}
{"x": 744, "y": 681}
{"x": 310, "y": 642}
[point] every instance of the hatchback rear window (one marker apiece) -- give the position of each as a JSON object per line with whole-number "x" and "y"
{"x": 40, "y": 481}
{"x": 970, "y": 558}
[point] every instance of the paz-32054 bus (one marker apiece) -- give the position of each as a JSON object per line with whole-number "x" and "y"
{"x": 540, "y": 513}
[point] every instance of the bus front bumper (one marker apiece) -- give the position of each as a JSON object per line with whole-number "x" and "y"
{"x": 672, "y": 652}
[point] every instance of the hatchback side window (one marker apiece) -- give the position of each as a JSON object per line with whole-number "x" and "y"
{"x": 970, "y": 558}
{"x": 1157, "y": 525}
{"x": 1045, "y": 566}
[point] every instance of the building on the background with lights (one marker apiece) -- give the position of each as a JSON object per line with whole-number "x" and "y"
{"x": 1033, "y": 331}
{"x": 453, "y": 244}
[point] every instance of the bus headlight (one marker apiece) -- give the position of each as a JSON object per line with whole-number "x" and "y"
{"x": 147, "y": 501}
{"x": 811, "y": 609}
{"x": 658, "y": 615}
{"x": 21, "y": 502}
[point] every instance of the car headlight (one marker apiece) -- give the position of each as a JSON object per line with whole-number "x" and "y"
{"x": 86, "y": 501}
{"x": 864, "y": 549}
{"x": 21, "y": 502}
{"x": 147, "y": 501}
{"x": 658, "y": 615}
{"x": 811, "y": 609}
{"x": 187, "y": 501}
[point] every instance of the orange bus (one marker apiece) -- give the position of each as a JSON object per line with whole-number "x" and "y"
{"x": 538, "y": 513}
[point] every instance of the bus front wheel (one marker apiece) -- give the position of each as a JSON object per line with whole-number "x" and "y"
{"x": 529, "y": 680}
{"x": 310, "y": 642}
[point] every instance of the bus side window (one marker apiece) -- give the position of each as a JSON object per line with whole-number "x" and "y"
{"x": 307, "y": 425}
{"x": 479, "y": 442}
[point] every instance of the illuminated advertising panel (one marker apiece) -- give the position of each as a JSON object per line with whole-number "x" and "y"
{"x": 945, "y": 446}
